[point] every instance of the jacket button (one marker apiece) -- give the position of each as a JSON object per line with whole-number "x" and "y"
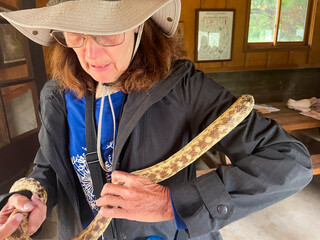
{"x": 222, "y": 209}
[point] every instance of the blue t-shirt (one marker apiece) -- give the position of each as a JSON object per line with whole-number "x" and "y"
{"x": 77, "y": 141}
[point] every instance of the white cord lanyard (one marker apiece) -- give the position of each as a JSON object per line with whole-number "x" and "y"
{"x": 108, "y": 169}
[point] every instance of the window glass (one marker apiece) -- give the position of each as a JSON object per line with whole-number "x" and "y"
{"x": 19, "y": 108}
{"x": 292, "y": 20}
{"x": 12, "y": 44}
{"x": 263, "y": 15}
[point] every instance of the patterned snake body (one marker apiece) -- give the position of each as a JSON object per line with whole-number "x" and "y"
{"x": 225, "y": 123}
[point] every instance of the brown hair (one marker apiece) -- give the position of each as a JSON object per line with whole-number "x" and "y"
{"x": 152, "y": 62}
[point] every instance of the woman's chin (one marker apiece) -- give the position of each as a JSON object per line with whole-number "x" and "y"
{"x": 102, "y": 78}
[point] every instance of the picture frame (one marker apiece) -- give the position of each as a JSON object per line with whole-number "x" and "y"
{"x": 12, "y": 43}
{"x": 214, "y": 34}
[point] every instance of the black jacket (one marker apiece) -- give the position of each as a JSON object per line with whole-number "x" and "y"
{"x": 268, "y": 164}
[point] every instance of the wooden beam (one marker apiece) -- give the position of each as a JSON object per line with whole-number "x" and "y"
{"x": 316, "y": 163}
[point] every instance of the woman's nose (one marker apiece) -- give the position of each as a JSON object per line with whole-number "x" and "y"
{"x": 92, "y": 48}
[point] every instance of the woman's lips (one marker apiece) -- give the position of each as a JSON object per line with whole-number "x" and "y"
{"x": 100, "y": 68}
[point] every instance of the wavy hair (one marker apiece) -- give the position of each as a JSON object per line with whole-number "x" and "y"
{"x": 152, "y": 62}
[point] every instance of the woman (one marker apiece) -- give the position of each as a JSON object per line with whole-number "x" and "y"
{"x": 155, "y": 104}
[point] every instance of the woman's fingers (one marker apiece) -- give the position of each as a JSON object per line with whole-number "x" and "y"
{"x": 10, "y": 226}
{"x": 110, "y": 200}
{"x": 115, "y": 211}
{"x": 36, "y": 208}
{"x": 21, "y": 202}
{"x": 135, "y": 198}
{"x": 37, "y": 215}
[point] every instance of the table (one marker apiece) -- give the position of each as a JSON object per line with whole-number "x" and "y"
{"x": 291, "y": 120}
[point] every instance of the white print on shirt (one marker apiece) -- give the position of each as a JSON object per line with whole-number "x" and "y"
{"x": 81, "y": 167}
{"x": 108, "y": 163}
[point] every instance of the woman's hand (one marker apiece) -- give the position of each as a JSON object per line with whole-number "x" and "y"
{"x": 135, "y": 198}
{"x": 36, "y": 208}
{"x": 9, "y": 225}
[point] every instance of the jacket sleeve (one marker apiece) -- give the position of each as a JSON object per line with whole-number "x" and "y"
{"x": 268, "y": 165}
{"x": 43, "y": 172}
{"x": 50, "y": 114}
{"x": 51, "y": 158}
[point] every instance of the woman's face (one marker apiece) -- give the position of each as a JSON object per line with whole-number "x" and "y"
{"x": 106, "y": 64}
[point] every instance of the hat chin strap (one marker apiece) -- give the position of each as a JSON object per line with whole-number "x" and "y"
{"x": 137, "y": 42}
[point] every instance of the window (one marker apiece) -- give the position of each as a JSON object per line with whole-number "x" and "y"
{"x": 278, "y": 23}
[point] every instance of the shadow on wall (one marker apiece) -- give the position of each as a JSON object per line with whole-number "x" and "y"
{"x": 271, "y": 85}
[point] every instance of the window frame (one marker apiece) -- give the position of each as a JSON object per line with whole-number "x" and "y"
{"x": 275, "y": 45}
{"x": 3, "y": 115}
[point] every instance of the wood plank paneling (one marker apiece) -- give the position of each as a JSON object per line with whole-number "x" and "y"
{"x": 188, "y": 17}
{"x": 20, "y": 71}
{"x": 256, "y": 59}
{"x": 298, "y": 58}
{"x": 11, "y": 3}
{"x": 213, "y": 4}
{"x": 210, "y": 65}
{"x": 41, "y": 3}
{"x": 12, "y": 92}
{"x": 4, "y": 133}
{"x": 238, "y": 56}
{"x": 277, "y": 59}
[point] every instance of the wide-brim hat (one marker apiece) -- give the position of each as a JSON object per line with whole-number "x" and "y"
{"x": 94, "y": 17}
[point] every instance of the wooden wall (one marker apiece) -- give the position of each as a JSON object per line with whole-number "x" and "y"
{"x": 241, "y": 60}
{"x": 10, "y": 3}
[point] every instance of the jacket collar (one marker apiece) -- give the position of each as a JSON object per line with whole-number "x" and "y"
{"x": 139, "y": 102}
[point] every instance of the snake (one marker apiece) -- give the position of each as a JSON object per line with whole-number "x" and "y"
{"x": 211, "y": 135}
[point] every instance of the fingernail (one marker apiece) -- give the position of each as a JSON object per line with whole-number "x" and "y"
{"x": 18, "y": 217}
{"x": 36, "y": 196}
{"x": 27, "y": 206}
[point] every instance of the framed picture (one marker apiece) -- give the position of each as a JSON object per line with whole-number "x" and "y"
{"x": 214, "y": 34}
{"x": 12, "y": 44}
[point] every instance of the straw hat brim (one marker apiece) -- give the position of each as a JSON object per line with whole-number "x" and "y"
{"x": 95, "y": 17}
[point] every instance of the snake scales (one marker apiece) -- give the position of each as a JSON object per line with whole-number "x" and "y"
{"x": 234, "y": 115}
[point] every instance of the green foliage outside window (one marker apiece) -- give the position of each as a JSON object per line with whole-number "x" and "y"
{"x": 292, "y": 20}
{"x": 263, "y": 17}
{"x": 262, "y": 20}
